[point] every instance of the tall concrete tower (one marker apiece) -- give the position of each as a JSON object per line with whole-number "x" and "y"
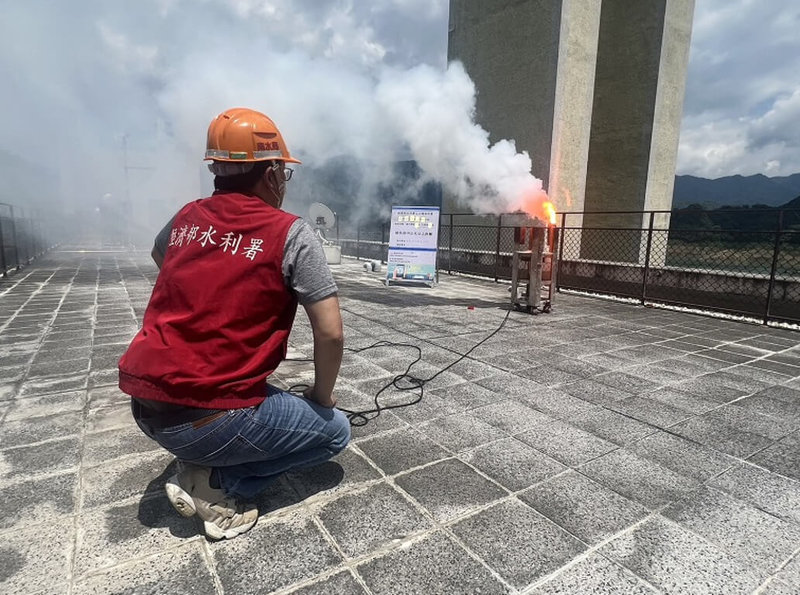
{"x": 592, "y": 89}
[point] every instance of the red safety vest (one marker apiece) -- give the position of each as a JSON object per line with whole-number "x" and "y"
{"x": 220, "y": 314}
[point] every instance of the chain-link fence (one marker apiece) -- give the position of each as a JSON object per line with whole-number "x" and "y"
{"x": 740, "y": 261}
{"x": 784, "y": 290}
{"x": 480, "y": 245}
{"x": 22, "y": 237}
{"x": 370, "y": 242}
{"x": 475, "y": 244}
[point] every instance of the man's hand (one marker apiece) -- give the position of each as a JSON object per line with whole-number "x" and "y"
{"x": 329, "y": 402}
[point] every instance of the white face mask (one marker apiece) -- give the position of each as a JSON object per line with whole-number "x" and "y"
{"x": 280, "y": 189}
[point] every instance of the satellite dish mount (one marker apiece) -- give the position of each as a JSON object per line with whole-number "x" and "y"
{"x": 323, "y": 219}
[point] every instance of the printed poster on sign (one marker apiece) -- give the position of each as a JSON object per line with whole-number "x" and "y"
{"x": 413, "y": 242}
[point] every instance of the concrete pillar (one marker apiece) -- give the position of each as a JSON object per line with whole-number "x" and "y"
{"x": 666, "y": 120}
{"x": 635, "y": 120}
{"x": 577, "y": 61}
{"x": 593, "y": 91}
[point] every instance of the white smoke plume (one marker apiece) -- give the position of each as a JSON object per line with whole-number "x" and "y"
{"x": 433, "y": 113}
{"x": 370, "y": 121}
{"x": 112, "y": 100}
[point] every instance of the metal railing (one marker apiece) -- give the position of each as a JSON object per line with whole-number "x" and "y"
{"x": 475, "y": 244}
{"x": 23, "y": 237}
{"x": 738, "y": 261}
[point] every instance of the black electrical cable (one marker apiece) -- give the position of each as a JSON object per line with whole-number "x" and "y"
{"x": 360, "y": 418}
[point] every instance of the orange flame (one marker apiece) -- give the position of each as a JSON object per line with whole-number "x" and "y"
{"x": 550, "y": 212}
{"x": 537, "y": 205}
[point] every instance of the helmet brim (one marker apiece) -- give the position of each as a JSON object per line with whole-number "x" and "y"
{"x": 285, "y": 160}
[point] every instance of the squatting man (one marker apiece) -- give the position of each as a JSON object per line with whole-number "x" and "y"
{"x": 233, "y": 268}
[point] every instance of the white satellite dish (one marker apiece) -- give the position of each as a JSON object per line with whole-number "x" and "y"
{"x": 321, "y": 216}
{"x": 322, "y": 219}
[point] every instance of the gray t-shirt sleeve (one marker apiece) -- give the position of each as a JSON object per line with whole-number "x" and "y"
{"x": 162, "y": 239}
{"x": 304, "y": 266}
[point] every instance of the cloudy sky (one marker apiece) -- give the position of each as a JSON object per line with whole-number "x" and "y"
{"x": 742, "y": 108}
{"x": 91, "y": 85}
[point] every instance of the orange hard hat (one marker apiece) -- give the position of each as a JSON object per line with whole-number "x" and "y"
{"x": 242, "y": 135}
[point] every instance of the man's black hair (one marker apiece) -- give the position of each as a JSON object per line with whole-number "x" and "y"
{"x": 242, "y": 182}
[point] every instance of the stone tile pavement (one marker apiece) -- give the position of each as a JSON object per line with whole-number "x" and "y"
{"x": 603, "y": 448}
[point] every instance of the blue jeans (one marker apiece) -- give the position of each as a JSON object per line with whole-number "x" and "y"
{"x": 250, "y": 447}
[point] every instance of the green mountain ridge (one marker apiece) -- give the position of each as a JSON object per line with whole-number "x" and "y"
{"x": 736, "y": 191}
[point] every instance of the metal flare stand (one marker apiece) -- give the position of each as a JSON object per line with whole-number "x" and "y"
{"x": 532, "y": 271}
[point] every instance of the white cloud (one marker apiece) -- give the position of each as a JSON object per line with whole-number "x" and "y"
{"x": 342, "y": 30}
{"x": 780, "y": 125}
{"x": 740, "y": 114}
{"x": 128, "y": 56}
{"x": 431, "y": 9}
{"x": 709, "y": 149}
{"x": 768, "y": 144}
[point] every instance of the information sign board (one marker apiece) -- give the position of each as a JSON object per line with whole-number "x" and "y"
{"x": 413, "y": 242}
